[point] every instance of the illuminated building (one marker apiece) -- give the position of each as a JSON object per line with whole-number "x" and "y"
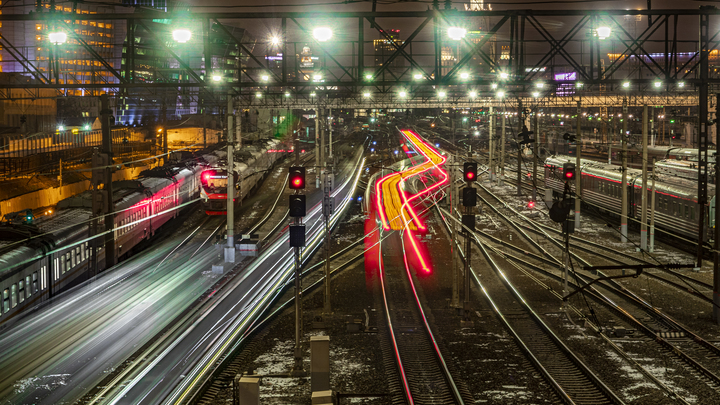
{"x": 384, "y": 48}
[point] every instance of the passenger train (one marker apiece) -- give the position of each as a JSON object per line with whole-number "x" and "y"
{"x": 676, "y": 199}
{"x": 250, "y": 164}
{"x": 58, "y": 256}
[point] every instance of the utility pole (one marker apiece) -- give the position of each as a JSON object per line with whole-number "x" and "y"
{"x": 652, "y": 211}
{"x": 716, "y": 255}
{"x": 327, "y": 211}
{"x": 703, "y": 140}
{"x": 578, "y": 167}
{"x": 521, "y": 119}
{"x": 109, "y": 206}
{"x": 491, "y": 145}
{"x": 643, "y": 197}
{"x": 623, "y": 184}
{"x": 317, "y": 145}
{"x": 230, "y": 249}
{"x": 330, "y": 139}
{"x": 536, "y": 129}
{"x": 502, "y": 148}
{"x": 164, "y": 130}
{"x": 453, "y": 237}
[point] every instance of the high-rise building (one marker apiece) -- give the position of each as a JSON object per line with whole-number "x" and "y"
{"x": 148, "y": 61}
{"x": 384, "y": 48}
{"x": 26, "y": 46}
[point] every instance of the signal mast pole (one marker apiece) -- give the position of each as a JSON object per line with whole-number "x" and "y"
{"x": 230, "y": 249}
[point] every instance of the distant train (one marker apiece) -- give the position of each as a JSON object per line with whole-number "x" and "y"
{"x": 250, "y": 164}
{"x": 676, "y": 200}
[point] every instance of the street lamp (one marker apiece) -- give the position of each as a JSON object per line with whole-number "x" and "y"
{"x": 274, "y": 40}
{"x": 681, "y": 84}
{"x": 539, "y": 85}
{"x": 258, "y": 95}
{"x": 417, "y": 76}
{"x": 500, "y": 94}
{"x": 403, "y": 94}
{"x": 536, "y": 94}
{"x": 658, "y": 84}
{"x": 626, "y": 85}
{"x": 464, "y": 75}
{"x": 473, "y": 94}
{"x": 603, "y": 32}
{"x": 366, "y": 94}
{"x": 456, "y": 33}
{"x": 57, "y": 38}
{"x": 317, "y": 78}
{"x": 216, "y": 77}
{"x": 322, "y": 34}
{"x": 181, "y": 35}
{"x": 494, "y": 86}
{"x": 287, "y": 94}
{"x": 368, "y": 76}
{"x": 504, "y": 75}
{"x": 265, "y": 78}
{"x": 441, "y": 94}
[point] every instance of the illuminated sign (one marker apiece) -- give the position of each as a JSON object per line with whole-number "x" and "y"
{"x": 566, "y": 76}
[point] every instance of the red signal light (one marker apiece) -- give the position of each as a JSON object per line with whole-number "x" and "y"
{"x": 531, "y": 204}
{"x": 470, "y": 175}
{"x": 297, "y": 178}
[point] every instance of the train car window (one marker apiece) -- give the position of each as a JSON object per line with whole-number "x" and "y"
{"x": 57, "y": 270}
{"x": 21, "y": 291}
{"x": 692, "y": 212}
{"x": 6, "y": 300}
{"x": 82, "y": 252}
{"x": 687, "y": 211}
{"x": 73, "y": 260}
{"x": 28, "y": 286}
{"x": 35, "y": 284}
{"x": 600, "y": 187}
{"x": 13, "y": 296}
{"x": 675, "y": 210}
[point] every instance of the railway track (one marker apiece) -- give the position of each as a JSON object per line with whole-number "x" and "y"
{"x": 571, "y": 379}
{"x": 688, "y": 350}
{"x": 424, "y": 373}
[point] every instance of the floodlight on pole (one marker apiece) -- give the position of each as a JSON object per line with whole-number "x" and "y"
{"x": 539, "y": 85}
{"x": 258, "y": 95}
{"x": 368, "y": 77}
{"x": 658, "y": 84}
{"x": 464, "y": 75}
{"x": 494, "y": 86}
{"x": 317, "y": 78}
{"x": 473, "y": 94}
{"x": 322, "y": 34}
{"x": 504, "y": 75}
{"x": 603, "y": 32}
{"x": 626, "y": 85}
{"x": 274, "y": 40}
{"x": 181, "y": 35}
{"x": 216, "y": 77}
{"x": 456, "y": 33}
{"x": 500, "y": 94}
{"x": 403, "y": 94}
{"x": 681, "y": 84}
{"x": 536, "y": 94}
{"x": 417, "y": 76}
{"x": 57, "y": 38}
{"x": 441, "y": 94}
{"x": 366, "y": 94}
{"x": 265, "y": 78}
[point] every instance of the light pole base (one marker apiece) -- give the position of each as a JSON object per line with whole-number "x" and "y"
{"x": 229, "y": 255}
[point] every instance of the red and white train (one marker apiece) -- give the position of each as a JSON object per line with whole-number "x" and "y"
{"x": 250, "y": 164}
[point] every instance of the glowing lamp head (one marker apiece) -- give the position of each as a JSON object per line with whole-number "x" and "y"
{"x": 531, "y": 204}
{"x": 470, "y": 171}
{"x": 297, "y": 178}
{"x": 182, "y": 35}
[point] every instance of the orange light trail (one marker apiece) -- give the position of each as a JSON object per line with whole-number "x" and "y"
{"x": 392, "y": 201}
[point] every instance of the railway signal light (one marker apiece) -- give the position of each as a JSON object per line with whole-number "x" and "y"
{"x": 569, "y": 137}
{"x": 569, "y": 171}
{"x": 297, "y": 206}
{"x": 28, "y": 216}
{"x": 468, "y": 220}
{"x": 470, "y": 171}
{"x": 297, "y": 235}
{"x": 469, "y": 197}
{"x": 297, "y": 177}
{"x": 531, "y": 204}
{"x": 525, "y": 135}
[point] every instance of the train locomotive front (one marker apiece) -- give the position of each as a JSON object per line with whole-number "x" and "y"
{"x": 213, "y": 192}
